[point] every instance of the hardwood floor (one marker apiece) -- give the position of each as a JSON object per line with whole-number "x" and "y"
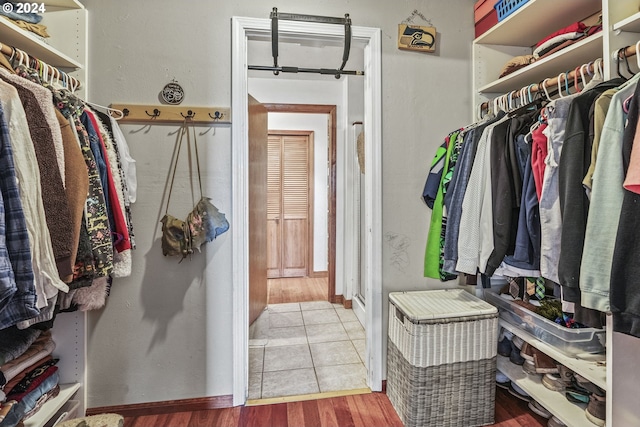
{"x": 297, "y": 289}
{"x": 364, "y": 410}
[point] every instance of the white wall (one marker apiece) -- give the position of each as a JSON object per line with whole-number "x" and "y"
{"x": 166, "y": 331}
{"x": 318, "y": 124}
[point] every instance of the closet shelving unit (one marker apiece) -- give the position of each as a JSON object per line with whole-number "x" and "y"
{"x": 66, "y": 49}
{"x": 516, "y": 35}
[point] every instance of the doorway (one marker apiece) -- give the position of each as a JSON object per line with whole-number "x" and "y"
{"x": 290, "y": 204}
{"x": 243, "y": 29}
{"x": 325, "y": 156}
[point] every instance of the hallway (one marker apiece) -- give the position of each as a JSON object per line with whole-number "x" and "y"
{"x": 305, "y": 347}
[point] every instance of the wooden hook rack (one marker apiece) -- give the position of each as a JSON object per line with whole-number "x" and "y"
{"x": 167, "y": 114}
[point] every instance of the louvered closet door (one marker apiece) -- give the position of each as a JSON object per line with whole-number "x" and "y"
{"x": 288, "y": 205}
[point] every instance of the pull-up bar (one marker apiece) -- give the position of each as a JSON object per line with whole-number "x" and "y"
{"x": 275, "y": 16}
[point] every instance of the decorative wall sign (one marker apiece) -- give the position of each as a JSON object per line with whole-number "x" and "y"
{"x": 416, "y": 38}
{"x": 172, "y": 93}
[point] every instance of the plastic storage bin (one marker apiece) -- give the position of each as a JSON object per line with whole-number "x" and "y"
{"x": 567, "y": 340}
{"x": 507, "y": 7}
{"x": 441, "y": 359}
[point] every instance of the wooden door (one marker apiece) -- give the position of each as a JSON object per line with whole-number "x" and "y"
{"x": 257, "y": 208}
{"x": 290, "y": 204}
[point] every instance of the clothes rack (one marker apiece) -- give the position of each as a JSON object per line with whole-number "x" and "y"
{"x": 31, "y": 61}
{"x": 570, "y": 78}
{"x": 562, "y": 81}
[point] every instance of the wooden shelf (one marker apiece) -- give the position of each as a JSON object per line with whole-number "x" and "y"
{"x": 562, "y": 61}
{"x": 569, "y": 413}
{"x": 590, "y": 366}
{"x": 50, "y": 408}
{"x": 34, "y": 45}
{"x": 630, "y": 24}
{"x": 533, "y": 21}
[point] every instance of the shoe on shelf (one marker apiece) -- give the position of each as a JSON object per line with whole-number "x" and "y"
{"x": 553, "y": 382}
{"x": 555, "y": 422}
{"x": 519, "y": 342}
{"x": 544, "y": 364}
{"x": 529, "y": 367}
{"x": 585, "y": 384}
{"x": 596, "y": 411}
{"x": 519, "y": 393}
{"x": 576, "y": 395}
{"x": 504, "y": 347}
{"x": 539, "y": 409}
{"x": 566, "y": 375}
{"x": 515, "y": 357}
{"x": 502, "y": 380}
{"x": 527, "y": 351}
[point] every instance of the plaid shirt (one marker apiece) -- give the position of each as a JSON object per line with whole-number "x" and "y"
{"x": 17, "y": 286}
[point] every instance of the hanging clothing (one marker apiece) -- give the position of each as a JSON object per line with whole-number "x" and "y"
{"x": 42, "y": 257}
{"x": 475, "y": 240}
{"x": 606, "y": 196}
{"x": 432, "y": 264}
{"x": 506, "y": 188}
{"x": 625, "y": 291}
{"x": 17, "y": 287}
{"x": 601, "y": 107}
{"x": 550, "y": 215}
{"x": 77, "y": 186}
{"x": 49, "y": 153}
{"x": 574, "y": 204}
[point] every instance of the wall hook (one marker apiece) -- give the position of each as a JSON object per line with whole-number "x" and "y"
{"x": 190, "y": 115}
{"x": 216, "y": 115}
{"x": 155, "y": 114}
{"x": 125, "y": 112}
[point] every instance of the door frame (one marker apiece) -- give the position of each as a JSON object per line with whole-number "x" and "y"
{"x": 242, "y": 29}
{"x": 329, "y": 110}
{"x": 309, "y": 134}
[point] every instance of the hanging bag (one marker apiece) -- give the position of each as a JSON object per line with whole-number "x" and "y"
{"x": 203, "y": 224}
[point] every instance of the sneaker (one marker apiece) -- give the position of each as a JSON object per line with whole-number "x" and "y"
{"x": 553, "y": 382}
{"x": 519, "y": 342}
{"x": 519, "y": 393}
{"x": 539, "y": 409}
{"x": 585, "y": 384}
{"x": 504, "y": 347}
{"x": 555, "y": 422}
{"x": 544, "y": 364}
{"x": 529, "y": 367}
{"x": 527, "y": 352}
{"x": 577, "y": 395}
{"x": 566, "y": 375}
{"x": 596, "y": 409}
{"x": 502, "y": 380}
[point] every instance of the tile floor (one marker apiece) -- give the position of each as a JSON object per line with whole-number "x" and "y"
{"x": 304, "y": 348}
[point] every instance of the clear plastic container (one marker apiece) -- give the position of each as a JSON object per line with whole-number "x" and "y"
{"x": 567, "y": 340}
